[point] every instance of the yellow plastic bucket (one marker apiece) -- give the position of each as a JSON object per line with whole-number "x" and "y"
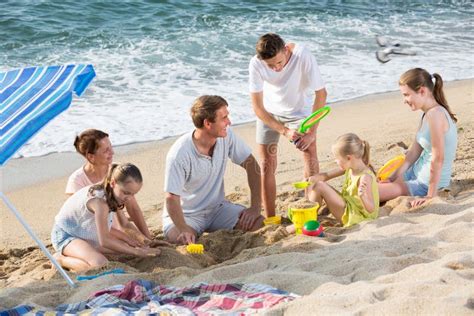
{"x": 299, "y": 216}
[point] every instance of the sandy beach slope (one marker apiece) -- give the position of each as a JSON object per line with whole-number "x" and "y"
{"x": 409, "y": 261}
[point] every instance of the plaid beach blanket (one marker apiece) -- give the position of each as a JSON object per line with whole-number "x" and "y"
{"x": 140, "y": 297}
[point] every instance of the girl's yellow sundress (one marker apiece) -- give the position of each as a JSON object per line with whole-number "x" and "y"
{"x": 355, "y": 211}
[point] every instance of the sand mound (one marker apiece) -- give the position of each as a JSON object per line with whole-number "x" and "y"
{"x": 385, "y": 265}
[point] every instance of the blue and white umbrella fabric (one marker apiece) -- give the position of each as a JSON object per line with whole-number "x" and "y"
{"x": 29, "y": 99}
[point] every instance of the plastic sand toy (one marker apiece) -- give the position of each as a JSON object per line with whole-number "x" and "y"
{"x": 390, "y": 167}
{"x": 195, "y": 248}
{"x": 274, "y": 220}
{"x": 93, "y": 276}
{"x": 314, "y": 118}
{"x": 301, "y": 185}
{"x": 300, "y": 216}
{"x": 313, "y": 228}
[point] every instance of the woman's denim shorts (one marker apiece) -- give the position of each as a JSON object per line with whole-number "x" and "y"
{"x": 415, "y": 187}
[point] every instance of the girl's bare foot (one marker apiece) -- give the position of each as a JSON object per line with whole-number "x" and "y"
{"x": 74, "y": 265}
{"x": 290, "y": 229}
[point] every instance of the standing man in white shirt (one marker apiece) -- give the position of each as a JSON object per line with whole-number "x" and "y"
{"x": 285, "y": 87}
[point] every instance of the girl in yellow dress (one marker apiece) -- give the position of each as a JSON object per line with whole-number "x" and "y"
{"x": 359, "y": 199}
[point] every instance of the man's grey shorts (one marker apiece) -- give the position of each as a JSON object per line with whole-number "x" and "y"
{"x": 224, "y": 216}
{"x": 266, "y": 135}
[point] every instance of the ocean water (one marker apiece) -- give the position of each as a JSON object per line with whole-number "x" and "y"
{"x": 153, "y": 58}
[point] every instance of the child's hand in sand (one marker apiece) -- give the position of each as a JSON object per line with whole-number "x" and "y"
{"x": 147, "y": 242}
{"x": 137, "y": 239}
{"x": 134, "y": 243}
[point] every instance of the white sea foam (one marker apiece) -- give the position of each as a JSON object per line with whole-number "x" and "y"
{"x": 145, "y": 85}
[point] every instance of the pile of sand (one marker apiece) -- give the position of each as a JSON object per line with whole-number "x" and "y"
{"x": 408, "y": 260}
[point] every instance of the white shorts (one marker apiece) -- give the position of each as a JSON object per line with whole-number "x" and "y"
{"x": 224, "y": 216}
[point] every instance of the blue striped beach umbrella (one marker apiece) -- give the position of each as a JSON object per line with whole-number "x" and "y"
{"x": 29, "y": 99}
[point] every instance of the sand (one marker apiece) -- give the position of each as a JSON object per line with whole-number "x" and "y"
{"x": 409, "y": 261}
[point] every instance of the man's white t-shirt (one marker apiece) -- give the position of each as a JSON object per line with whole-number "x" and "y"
{"x": 290, "y": 92}
{"x": 199, "y": 179}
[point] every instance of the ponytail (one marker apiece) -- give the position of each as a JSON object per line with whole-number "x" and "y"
{"x": 108, "y": 191}
{"x": 366, "y": 155}
{"x": 439, "y": 96}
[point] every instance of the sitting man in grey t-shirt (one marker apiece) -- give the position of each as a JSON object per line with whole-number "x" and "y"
{"x": 194, "y": 177}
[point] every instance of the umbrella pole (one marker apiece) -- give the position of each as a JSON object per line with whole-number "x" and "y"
{"x": 35, "y": 238}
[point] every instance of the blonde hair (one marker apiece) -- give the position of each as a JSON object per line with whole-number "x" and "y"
{"x": 417, "y": 77}
{"x": 351, "y": 144}
{"x": 120, "y": 173}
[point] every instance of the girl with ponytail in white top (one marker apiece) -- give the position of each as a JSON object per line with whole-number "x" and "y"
{"x": 82, "y": 230}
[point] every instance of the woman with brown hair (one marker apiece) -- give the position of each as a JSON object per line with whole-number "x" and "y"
{"x": 428, "y": 162}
